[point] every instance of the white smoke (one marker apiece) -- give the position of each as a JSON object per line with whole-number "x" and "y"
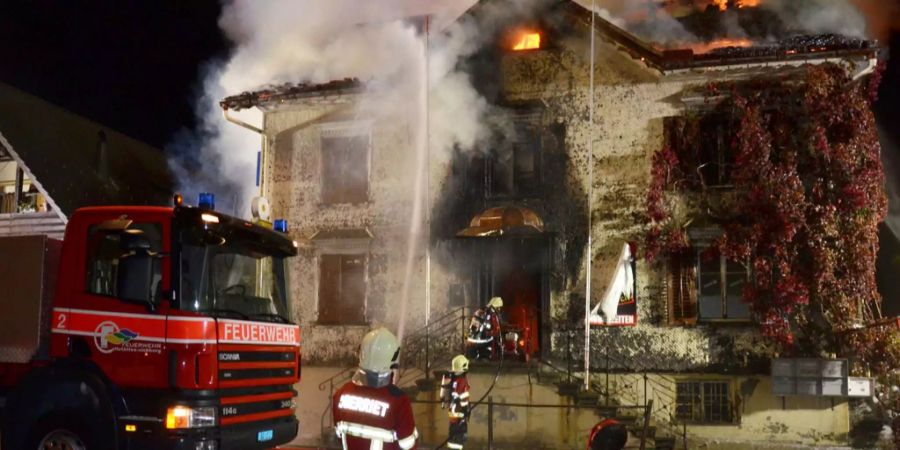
{"x": 316, "y": 41}
{"x": 820, "y": 16}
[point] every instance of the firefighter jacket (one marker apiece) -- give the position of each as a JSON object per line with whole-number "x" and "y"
{"x": 484, "y": 326}
{"x": 455, "y": 394}
{"x": 367, "y": 418}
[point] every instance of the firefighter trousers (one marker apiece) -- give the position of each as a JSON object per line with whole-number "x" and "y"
{"x": 459, "y": 429}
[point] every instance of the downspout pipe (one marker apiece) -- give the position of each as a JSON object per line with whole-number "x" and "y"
{"x": 239, "y": 122}
{"x": 261, "y": 159}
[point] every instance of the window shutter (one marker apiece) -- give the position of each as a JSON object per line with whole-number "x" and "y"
{"x": 353, "y": 290}
{"x": 329, "y": 288}
{"x": 682, "y": 289}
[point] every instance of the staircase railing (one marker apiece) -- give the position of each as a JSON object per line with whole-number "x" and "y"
{"x": 330, "y": 383}
{"x": 443, "y": 337}
{"x": 420, "y": 350}
{"x": 628, "y": 382}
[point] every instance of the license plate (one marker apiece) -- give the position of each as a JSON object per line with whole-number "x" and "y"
{"x": 264, "y": 436}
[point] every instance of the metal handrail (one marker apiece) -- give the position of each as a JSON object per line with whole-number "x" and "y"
{"x": 331, "y": 380}
{"x": 411, "y": 354}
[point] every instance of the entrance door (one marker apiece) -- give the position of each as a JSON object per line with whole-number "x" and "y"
{"x": 517, "y": 269}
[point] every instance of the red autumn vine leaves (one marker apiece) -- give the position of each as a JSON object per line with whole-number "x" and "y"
{"x": 807, "y": 198}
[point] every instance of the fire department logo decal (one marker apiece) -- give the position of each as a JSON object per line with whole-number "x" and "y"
{"x": 108, "y": 336}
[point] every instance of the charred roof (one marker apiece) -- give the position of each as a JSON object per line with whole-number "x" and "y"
{"x": 763, "y": 40}
{"x": 290, "y": 91}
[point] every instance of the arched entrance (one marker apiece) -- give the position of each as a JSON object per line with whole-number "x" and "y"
{"x": 512, "y": 250}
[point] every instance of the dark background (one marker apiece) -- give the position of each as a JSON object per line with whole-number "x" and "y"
{"x": 132, "y": 65}
{"x": 136, "y": 66}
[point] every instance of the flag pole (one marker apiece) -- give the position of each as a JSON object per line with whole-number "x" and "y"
{"x": 590, "y": 253}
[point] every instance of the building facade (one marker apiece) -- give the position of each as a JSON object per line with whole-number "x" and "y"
{"x": 512, "y": 216}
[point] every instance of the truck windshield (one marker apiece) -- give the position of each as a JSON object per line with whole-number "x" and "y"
{"x": 228, "y": 277}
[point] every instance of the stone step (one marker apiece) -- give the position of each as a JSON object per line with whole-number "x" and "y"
{"x": 607, "y": 411}
{"x": 587, "y": 401}
{"x": 637, "y": 429}
{"x": 664, "y": 443}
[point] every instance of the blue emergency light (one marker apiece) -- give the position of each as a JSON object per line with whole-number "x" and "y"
{"x": 207, "y": 201}
{"x": 280, "y": 225}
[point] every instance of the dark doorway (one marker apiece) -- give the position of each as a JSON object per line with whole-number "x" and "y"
{"x": 515, "y": 268}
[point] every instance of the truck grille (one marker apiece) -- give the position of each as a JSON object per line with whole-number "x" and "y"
{"x": 256, "y": 382}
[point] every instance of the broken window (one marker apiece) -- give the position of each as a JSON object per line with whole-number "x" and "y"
{"x": 703, "y": 401}
{"x": 345, "y": 166}
{"x": 720, "y": 284}
{"x": 513, "y": 166}
{"x": 342, "y": 289}
{"x": 705, "y": 146}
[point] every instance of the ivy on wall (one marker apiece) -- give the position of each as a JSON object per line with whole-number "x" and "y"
{"x": 805, "y": 200}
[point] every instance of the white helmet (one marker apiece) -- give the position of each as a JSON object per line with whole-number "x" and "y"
{"x": 379, "y": 353}
{"x": 496, "y": 303}
{"x": 459, "y": 364}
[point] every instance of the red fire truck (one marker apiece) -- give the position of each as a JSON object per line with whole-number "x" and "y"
{"x": 148, "y": 327}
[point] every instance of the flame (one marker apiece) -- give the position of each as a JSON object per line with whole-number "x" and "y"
{"x": 528, "y": 41}
{"x": 723, "y": 4}
{"x": 720, "y": 43}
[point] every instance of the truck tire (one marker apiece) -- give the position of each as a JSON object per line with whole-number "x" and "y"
{"x": 71, "y": 431}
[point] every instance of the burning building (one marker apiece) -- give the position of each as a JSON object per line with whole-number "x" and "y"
{"x": 560, "y": 175}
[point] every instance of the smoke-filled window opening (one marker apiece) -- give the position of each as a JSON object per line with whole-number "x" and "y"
{"x": 342, "y": 289}
{"x": 513, "y": 166}
{"x": 346, "y": 161}
{"x": 706, "y": 146}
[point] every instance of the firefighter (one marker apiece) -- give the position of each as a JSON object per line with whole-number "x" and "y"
{"x": 370, "y": 412}
{"x": 484, "y": 331}
{"x": 609, "y": 434}
{"x": 455, "y": 397}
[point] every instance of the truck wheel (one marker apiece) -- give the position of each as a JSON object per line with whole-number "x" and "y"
{"x": 65, "y": 432}
{"x": 61, "y": 440}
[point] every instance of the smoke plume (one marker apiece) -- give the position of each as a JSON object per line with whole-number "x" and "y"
{"x": 664, "y": 22}
{"x": 316, "y": 41}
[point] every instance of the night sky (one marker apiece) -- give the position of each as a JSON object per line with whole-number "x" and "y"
{"x": 131, "y": 65}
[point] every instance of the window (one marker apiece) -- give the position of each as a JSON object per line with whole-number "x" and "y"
{"x": 703, "y": 401}
{"x": 706, "y": 144}
{"x": 123, "y": 262}
{"x": 342, "y": 289}
{"x": 720, "y": 284}
{"x": 345, "y": 166}
{"x": 513, "y": 167}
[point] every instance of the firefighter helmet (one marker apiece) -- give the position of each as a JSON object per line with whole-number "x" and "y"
{"x": 459, "y": 364}
{"x": 379, "y": 354}
{"x": 496, "y": 303}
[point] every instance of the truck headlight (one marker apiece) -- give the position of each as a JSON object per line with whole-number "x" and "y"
{"x": 190, "y": 417}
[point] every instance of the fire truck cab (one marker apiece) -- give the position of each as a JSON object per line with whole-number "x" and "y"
{"x": 148, "y": 327}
